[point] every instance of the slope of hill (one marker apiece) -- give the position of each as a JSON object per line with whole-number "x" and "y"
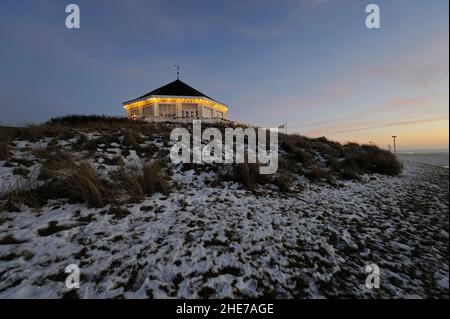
{"x": 102, "y": 193}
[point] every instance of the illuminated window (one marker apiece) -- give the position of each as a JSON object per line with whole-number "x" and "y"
{"x": 207, "y": 112}
{"x": 147, "y": 111}
{"x": 134, "y": 112}
{"x": 167, "y": 110}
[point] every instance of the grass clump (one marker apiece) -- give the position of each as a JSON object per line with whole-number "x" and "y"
{"x": 136, "y": 184}
{"x": 248, "y": 175}
{"x": 131, "y": 139}
{"x": 128, "y": 181}
{"x": 154, "y": 178}
{"x": 83, "y": 184}
{"x": 54, "y": 163}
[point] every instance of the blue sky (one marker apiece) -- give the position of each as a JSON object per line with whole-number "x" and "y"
{"x": 310, "y": 63}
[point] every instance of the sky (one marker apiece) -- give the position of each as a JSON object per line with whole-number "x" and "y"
{"x": 312, "y": 64}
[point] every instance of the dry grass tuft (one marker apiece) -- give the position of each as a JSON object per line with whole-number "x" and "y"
{"x": 13, "y": 200}
{"x": 128, "y": 181}
{"x": 83, "y": 184}
{"x": 131, "y": 139}
{"x": 137, "y": 184}
{"x": 17, "y": 195}
{"x": 154, "y": 178}
{"x": 54, "y": 163}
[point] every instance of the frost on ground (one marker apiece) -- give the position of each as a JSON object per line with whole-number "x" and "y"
{"x": 204, "y": 241}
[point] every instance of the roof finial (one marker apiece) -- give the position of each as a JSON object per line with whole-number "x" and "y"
{"x": 178, "y": 71}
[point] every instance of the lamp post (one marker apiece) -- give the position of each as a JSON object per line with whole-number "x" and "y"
{"x": 395, "y": 146}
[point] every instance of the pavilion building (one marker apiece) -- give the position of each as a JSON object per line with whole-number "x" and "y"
{"x": 177, "y": 102}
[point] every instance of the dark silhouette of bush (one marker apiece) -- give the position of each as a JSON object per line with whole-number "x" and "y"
{"x": 363, "y": 159}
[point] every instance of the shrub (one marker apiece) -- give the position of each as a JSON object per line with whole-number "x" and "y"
{"x": 371, "y": 159}
{"x": 290, "y": 143}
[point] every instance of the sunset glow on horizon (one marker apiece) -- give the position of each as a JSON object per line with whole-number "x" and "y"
{"x": 310, "y": 63}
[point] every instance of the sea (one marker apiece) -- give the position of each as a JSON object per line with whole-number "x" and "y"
{"x": 435, "y": 158}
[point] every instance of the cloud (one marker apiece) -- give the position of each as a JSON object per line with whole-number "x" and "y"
{"x": 423, "y": 68}
{"x": 413, "y": 74}
{"x": 340, "y": 128}
{"x": 395, "y": 106}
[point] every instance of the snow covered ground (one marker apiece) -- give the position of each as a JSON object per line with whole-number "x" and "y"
{"x": 202, "y": 241}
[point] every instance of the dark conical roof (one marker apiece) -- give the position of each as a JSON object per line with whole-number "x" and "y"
{"x": 176, "y": 88}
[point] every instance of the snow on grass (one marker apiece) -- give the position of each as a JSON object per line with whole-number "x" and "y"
{"x": 224, "y": 242}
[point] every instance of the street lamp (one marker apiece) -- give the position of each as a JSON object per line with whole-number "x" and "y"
{"x": 395, "y": 146}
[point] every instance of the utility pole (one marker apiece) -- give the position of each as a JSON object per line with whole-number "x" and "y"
{"x": 395, "y": 146}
